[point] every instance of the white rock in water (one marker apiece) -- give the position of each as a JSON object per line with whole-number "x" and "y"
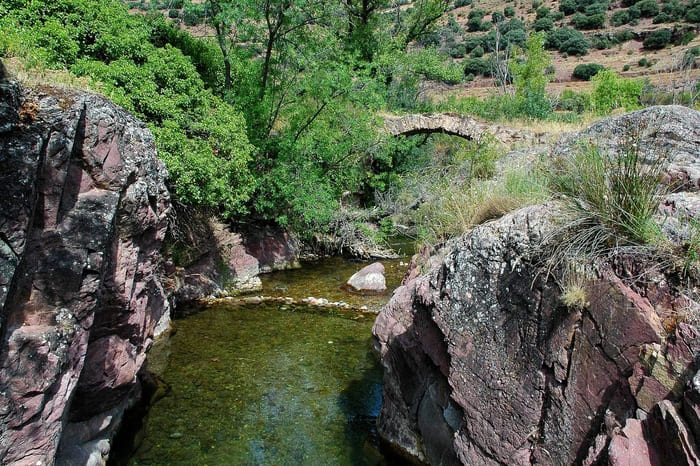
{"x": 370, "y": 278}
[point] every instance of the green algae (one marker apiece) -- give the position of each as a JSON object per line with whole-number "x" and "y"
{"x": 260, "y": 385}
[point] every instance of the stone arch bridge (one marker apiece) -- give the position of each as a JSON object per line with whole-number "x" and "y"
{"x": 457, "y": 125}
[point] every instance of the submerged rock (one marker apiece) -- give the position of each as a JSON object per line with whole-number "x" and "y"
{"x": 82, "y": 218}
{"x": 369, "y": 278}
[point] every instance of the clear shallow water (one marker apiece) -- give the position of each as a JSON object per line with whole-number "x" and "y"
{"x": 271, "y": 384}
{"x": 324, "y": 279}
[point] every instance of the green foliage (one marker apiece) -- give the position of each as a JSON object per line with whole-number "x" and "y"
{"x": 611, "y": 91}
{"x": 586, "y": 22}
{"x": 567, "y": 40}
{"x": 586, "y": 71}
{"x": 619, "y": 18}
{"x": 623, "y": 36}
{"x": 658, "y": 39}
{"x": 201, "y": 138}
{"x": 509, "y": 11}
{"x": 543, "y": 24}
{"x": 613, "y": 195}
{"x": 568, "y": 7}
{"x": 530, "y": 78}
{"x": 648, "y": 8}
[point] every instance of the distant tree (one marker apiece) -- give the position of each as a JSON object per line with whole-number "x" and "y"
{"x": 658, "y": 39}
{"x": 530, "y": 77}
{"x": 586, "y": 71}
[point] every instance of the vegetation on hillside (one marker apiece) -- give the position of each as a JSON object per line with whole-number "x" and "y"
{"x": 276, "y": 113}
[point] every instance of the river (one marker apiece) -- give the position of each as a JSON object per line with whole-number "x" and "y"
{"x": 271, "y": 384}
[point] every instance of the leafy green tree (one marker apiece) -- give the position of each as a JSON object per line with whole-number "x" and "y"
{"x": 611, "y": 91}
{"x": 530, "y": 77}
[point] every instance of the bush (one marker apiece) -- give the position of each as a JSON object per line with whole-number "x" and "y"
{"x": 626, "y": 67}
{"x": 587, "y": 71}
{"x": 575, "y": 46}
{"x": 477, "y": 66}
{"x": 460, "y": 3}
{"x": 584, "y": 22}
{"x": 509, "y": 11}
{"x": 568, "y": 7}
{"x": 663, "y": 18}
{"x": 619, "y": 18}
{"x": 658, "y": 39}
{"x": 557, "y": 37}
{"x": 648, "y": 8}
{"x": 574, "y": 102}
{"x": 515, "y": 37}
{"x": 644, "y": 62}
{"x": 543, "y": 12}
{"x": 623, "y": 36}
{"x": 477, "y": 52}
{"x": 543, "y": 24}
{"x": 693, "y": 14}
{"x": 611, "y": 91}
{"x": 612, "y": 197}
{"x": 173, "y": 13}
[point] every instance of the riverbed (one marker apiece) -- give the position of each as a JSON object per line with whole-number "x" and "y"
{"x": 272, "y": 383}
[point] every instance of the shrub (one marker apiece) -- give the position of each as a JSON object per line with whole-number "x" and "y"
{"x": 693, "y": 14}
{"x": 497, "y": 17}
{"x": 575, "y": 46}
{"x": 542, "y": 12}
{"x": 611, "y": 91}
{"x": 173, "y": 13}
{"x": 648, "y": 8}
{"x": 557, "y": 37}
{"x": 624, "y": 35}
{"x": 587, "y": 70}
{"x": 477, "y": 52}
{"x": 619, "y": 18}
{"x": 515, "y": 37}
{"x": 663, "y": 18}
{"x": 644, "y": 62}
{"x": 612, "y": 195}
{"x": 626, "y": 67}
{"x": 477, "y": 67}
{"x": 568, "y": 7}
{"x": 460, "y": 3}
{"x": 581, "y": 21}
{"x": 509, "y": 11}
{"x": 543, "y": 24}
{"x": 658, "y": 39}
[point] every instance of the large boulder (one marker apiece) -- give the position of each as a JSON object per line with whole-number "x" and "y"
{"x": 485, "y": 364}
{"x": 82, "y": 217}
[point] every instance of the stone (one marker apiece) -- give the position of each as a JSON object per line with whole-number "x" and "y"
{"x": 369, "y": 278}
{"x": 83, "y": 214}
{"x": 528, "y": 380}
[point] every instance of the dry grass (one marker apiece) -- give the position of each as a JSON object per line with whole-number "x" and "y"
{"x": 40, "y": 77}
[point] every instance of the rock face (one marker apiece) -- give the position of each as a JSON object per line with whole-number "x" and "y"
{"x": 218, "y": 261}
{"x": 369, "y": 278}
{"x": 485, "y": 365}
{"x": 82, "y": 217}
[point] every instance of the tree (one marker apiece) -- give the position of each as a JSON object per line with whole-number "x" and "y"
{"x": 361, "y": 23}
{"x": 530, "y": 77}
{"x": 421, "y": 19}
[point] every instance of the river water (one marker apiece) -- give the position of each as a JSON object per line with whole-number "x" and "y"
{"x": 271, "y": 384}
